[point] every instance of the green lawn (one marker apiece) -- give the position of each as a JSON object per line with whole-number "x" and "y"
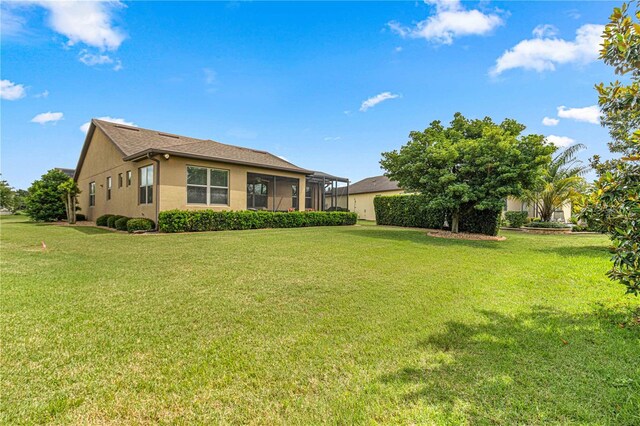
{"x": 347, "y": 325}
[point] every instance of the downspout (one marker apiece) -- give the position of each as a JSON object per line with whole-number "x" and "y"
{"x": 157, "y": 195}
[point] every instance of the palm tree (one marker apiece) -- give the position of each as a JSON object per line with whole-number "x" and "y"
{"x": 561, "y": 180}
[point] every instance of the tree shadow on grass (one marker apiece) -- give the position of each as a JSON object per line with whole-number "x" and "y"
{"x": 416, "y": 235}
{"x": 543, "y": 366}
{"x": 90, "y": 230}
{"x": 573, "y": 251}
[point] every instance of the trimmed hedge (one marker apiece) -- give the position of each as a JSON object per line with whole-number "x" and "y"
{"x": 140, "y": 224}
{"x": 121, "y": 223}
{"x": 516, "y": 219}
{"x": 102, "y": 220}
{"x": 547, "y": 225}
{"x": 111, "y": 222}
{"x": 209, "y": 220}
{"x": 413, "y": 211}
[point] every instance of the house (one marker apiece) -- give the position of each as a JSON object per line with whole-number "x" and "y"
{"x": 136, "y": 172}
{"x": 362, "y": 193}
{"x": 516, "y": 205}
{"x": 68, "y": 172}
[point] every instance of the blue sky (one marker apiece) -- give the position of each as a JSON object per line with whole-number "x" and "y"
{"x": 328, "y": 86}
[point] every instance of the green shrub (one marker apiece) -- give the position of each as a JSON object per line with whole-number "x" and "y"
{"x": 516, "y": 219}
{"x": 121, "y": 223}
{"x": 103, "y": 220}
{"x": 209, "y": 220}
{"x": 140, "y": 224}
{"x": 111, "y": 222}
{"x": 80, "y": 217}
{"x": 413, "y": 211}
{"x": 44, "y": 200}
{"x": 547, "y": 225}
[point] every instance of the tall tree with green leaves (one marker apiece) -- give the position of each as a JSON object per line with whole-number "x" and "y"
{"x": 45, "y": 202}
{"x": 70, "y": 193}
{"x": 6, "y": 195}
{"x": 559, "y": 182}
{"x": 472, "y": 164}
{"x": 615, "y": 202}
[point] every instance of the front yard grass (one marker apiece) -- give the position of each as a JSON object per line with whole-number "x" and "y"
{"x": 339, "y": 325}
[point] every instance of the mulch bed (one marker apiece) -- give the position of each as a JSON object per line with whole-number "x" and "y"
{"x": 464, "y": 236}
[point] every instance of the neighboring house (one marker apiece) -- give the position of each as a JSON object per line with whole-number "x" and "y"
{"x": 137, "y": 172}
{"x": 68, "y": 172}
{"x": 560, "y": 215}
{"x": 362, "y": 193}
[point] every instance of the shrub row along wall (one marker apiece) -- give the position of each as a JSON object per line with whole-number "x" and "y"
{"x": 209, "y": 220}
{"x": 412, "y": 211}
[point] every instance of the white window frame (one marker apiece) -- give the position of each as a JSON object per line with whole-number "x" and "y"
{"x": 109, "y": 187}
{"x": 152, "y": 185}
{"x": 129, "y": 178}
{"x": 92, "y": 194}
{"x": 208, "y": 186}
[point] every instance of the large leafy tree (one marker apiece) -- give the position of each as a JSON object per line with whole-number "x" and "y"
{"x": 472, "y": 164}
{"x": 6, "y": 195}
{"x": 615, "y": 202}
{"x": 45, "y": 201}
{"x": 560, "y": 181}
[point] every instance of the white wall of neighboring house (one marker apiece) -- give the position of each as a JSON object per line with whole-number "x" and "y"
{"x": 516, "y": 205}
{"x": 362, "y": 203}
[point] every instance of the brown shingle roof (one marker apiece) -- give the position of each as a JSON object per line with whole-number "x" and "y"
{"x": 373, "y": 184}
{"x": 135, "y": 142}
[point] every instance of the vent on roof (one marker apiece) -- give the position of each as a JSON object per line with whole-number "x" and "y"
{"x": 126, "y": 127}
{"x": 169, "y": 136}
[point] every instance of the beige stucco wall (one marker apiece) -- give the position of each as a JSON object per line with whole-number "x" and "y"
{"x": 514, "y": 204}
{"x": 102, "y": 160}
{"x": 173, "y": 184}
{"x": 362, "y": 204}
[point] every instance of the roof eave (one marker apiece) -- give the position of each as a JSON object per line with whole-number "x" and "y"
{"x": 145, "y": 154}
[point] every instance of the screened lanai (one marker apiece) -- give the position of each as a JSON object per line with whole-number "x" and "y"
{"x": 323, "y": 192}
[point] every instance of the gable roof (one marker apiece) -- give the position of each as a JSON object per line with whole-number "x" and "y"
{"x": 374, "y": 184}
{"x": 136, "y": 142}
{"x": 68, "y": 172}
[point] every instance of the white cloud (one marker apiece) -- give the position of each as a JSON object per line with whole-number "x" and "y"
{"x": 560, "y": 141}
{"x": 85, "y": 127}
{"x": 548, "y": 121}
{"x": 450, "y": 21}
{"x": 545, "y": 30}
{"x": 11, "y": 23}
{"x": 544, "y": 53}
{"x": 118, "y": 65}
{"x": 398, "y": 49}
{"x": 590, "y": 114}
{"x": 332, "y": 138}
{"x": 92, "y": 59}
{"x": 375, "y": 100}
{"x": 44, "y": 94}
{"x": 209, "y": 76}
{"x": 47, "y": 117}
{"x": 11, "y": 91}
{"x": 88, "y": 22}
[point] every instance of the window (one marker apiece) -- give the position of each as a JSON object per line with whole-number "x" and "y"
{"x": 119, "y": 180}
{"x": 108, "y": 187}
{"x": 128, "y": 177}
{"x": 145, "y": 177}
{"x": 92, "y": 194}
{"x": 207, "y": 186}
